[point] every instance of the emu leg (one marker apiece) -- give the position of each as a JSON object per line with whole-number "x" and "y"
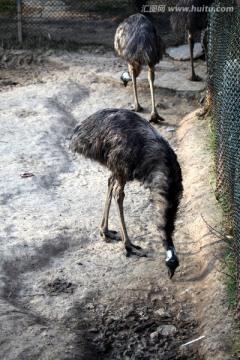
{"x": 119, "y": 197}
{"x": 154, "y": 114}
{"x": 133, "y": 74}
{"x": 104, "y": 231}
{"x": 193, "y": 77}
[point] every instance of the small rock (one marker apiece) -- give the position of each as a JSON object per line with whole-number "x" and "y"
{"x": 166, "y": 330}
{"x": 90, "y": 306}
{"x": 162, "y": 312}
{"x": 93, "y": 330}
{"x": 154, "y": 335}
{"x": 183, "y": 53}
{"x": 190, "y": 95}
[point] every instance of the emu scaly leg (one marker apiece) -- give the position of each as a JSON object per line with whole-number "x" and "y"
{"x": 133, "y": 74}
{"x": 119, "y": 197}
{"x": 104, "y": 231}
{"x": 193, "y": 77}
{"x": 155, "y": 117}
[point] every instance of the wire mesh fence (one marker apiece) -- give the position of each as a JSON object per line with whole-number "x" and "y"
{"x": 80, "y": 21}
{"x": 224, "y": 86}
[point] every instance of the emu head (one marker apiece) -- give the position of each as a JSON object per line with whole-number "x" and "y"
{"x": 125, "y": 77}
{"x": 172, "y": 262}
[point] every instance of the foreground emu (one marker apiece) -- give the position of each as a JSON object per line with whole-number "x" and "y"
{"x": 136, "y": 41}
{"x": 133, "y": 150}
{"x": 193, "y": 20}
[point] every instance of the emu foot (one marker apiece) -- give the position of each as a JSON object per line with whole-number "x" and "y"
{"x": 109, "y": 235}
{"x": 172, "y": 262}
{"x": 156, "y": 118}
{"x": 137, "y": 108}
{"x": 134, "y": 250}
{"x": 194, "y": 78}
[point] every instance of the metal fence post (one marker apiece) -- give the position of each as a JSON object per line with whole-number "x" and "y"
{"x": 19, "y": 17}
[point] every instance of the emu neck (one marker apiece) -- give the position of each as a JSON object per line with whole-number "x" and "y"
{"x": 164, "y": 198}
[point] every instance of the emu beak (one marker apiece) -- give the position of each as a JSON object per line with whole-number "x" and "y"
{"x": 172, "y": 262}
{"x": 125, "y": 77}
{"x": 171, "y": 273}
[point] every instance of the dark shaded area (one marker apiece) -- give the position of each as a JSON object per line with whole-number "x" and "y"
{"x": 29, "y": 259}
{"x": 74, "y": 23}
{"x": 53, "y": 339}
{"x": 141, "y": 328}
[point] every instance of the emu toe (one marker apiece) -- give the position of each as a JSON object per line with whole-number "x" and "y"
{"x": 109, "y": 235}
{"x": 134, "y": 250}
{"x": 137, "y": 108}
{"x": 172, "y": 262}
{"x": 156, "y": 118}
{"x": 194, "y": 78}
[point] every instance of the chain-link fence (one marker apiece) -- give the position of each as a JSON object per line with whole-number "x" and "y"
{"x": 224, "y": 87}
{"x": 79, "y": 21}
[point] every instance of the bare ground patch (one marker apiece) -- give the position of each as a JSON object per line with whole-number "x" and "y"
{"x": 64, "y": 293}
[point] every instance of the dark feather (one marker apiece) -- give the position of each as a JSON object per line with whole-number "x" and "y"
{"x": 136, "y": 40}
{"x": 190, "y": 20}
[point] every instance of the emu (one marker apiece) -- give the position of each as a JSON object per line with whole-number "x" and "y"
{"x": 132, "y": 149}
{"x": 191, "y": 21}
{"x": 136, "y": 41}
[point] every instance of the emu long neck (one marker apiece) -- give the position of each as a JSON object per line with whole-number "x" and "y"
{"x": 166, "y": 203}
{"x": 164, "y": 224}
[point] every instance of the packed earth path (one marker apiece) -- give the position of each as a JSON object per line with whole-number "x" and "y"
{"x": 64, "y": 293}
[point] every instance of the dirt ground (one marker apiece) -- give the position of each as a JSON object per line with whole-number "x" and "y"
{"x": 64, "y": 293}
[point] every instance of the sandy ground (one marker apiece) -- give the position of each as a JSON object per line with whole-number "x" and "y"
{"x": 66, "y": 294}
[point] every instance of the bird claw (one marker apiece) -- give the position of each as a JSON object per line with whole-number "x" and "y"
{"x": 109, "y": 235}
{"x": 194, "y": 78}
{"x": 155, "y": 118}
{"x": 137, "y": 108}
{"x": 134, "y": 250}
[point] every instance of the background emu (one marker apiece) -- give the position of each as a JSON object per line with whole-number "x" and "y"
{"x": 191, "y": 21}
{"x": 133, "y": 150}
{"x": 136, "y": 41}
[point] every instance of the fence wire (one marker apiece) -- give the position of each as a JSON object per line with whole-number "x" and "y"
{"x": 224, "y": 86}
{"x": 80, "y": 21}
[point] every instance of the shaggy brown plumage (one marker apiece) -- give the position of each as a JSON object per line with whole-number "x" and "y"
{"x": 137, "y": 41}
{"x": 132, "y": 149}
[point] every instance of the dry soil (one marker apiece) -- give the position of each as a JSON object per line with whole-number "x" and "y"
{"x": 66, "y": 294}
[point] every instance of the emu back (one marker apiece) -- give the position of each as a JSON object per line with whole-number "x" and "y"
{"x": 136, "y": 40}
